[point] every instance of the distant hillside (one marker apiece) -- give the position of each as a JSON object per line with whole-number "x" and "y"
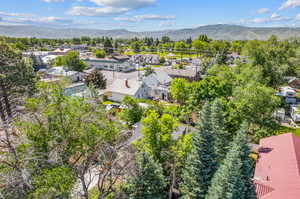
{"x": 227, "y": 32}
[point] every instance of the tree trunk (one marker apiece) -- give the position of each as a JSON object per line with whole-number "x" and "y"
{"x": 6, "y": 100}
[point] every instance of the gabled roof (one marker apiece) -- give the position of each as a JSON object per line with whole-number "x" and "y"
{"x": 277, "y": 174}
{"x": 60, "y": 71}
{"x": 119, "y": 86}
{"x": 157, "y": 78}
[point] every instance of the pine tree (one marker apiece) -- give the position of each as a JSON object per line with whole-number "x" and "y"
{"x": 201, "y": 162}
{"x": 149, "y": 181}
{"x": 221, "y": 136}
{"x": 233, "y": 179}
{"x": 17, "y": 80}
{"x": 227, "y": 182}
{"x": 247, "y": 163}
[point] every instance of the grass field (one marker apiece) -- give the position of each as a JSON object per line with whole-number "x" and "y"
{"x": 284, "y": 129}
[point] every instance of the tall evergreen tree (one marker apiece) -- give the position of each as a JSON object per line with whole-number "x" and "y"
{"x": 201, "y": 162}
{"x": 221, "y": 136}
{"x": 17, "y": 79}
{"x": 233, "y": 179}
{"x": 247, "y": 163}
{"x": 149, "y": 181}
{"x": 227, "y": 182}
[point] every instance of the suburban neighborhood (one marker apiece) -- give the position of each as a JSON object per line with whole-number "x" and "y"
{"x": 133, "y": 99}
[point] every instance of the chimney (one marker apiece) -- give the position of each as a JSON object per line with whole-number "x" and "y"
{"x": 126, "y": 83}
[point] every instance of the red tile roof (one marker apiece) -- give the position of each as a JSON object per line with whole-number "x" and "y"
{"x": 277, "y": 174}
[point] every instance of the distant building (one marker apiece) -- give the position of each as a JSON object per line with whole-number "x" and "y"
{"x": 189, "y": 73}
{"x": 61, "y": 72}
{"x": 47, "y": 60}
{"x": 295, "y": 113}
{"x": 60, "y": 51}
{"x": 279, "y": 114}
{"x": 77, "y": 90}
{"x": 233, "y": 57}
{"x": 111, "y": 64}
{"x": 146, "y": 59}
{"x": 124, "y": 87}
{"x": 289, "y": 94}
{"x": 294, "y": 83}
{"x": 158, "y": 83}
{"x": 277, "y": 168}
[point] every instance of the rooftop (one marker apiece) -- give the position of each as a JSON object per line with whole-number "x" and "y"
{"x": 119, "y": 86}
{"x": 277, "y": 170}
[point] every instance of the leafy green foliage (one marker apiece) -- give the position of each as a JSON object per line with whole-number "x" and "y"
{"x": 96, "y": 79}
{"x": 180, "y": 90}
{"x": 100, "y": 53}
{"x": 201, "y": 163}
{"x": 71, "y": 61}
{"x": 17, "y": 80}
{"x": 56, "y": 182}
{"x": 148, "y": 181}
{"x": 233, "y": 179}
{"x": 132, "y": 113}
{"x": 157, "y": 133}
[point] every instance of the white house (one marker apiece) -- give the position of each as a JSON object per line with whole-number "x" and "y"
{"x": 110, "y": 64}
{"x": 124, "y": 87}
{"x": 279, "y": 114}
{"x": 289, "y": 94}
{"x": 60, "y": 72}
{"x": 60, "y": 51}
{"x": 146, "y": 59}
{"x": 158, "y": 82}
{"x": 287, "y": 91}
{"x": 295, "y": 113}
{"x": 77, "y": 90}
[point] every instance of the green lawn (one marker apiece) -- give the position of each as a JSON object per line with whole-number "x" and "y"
{"x": 284, "y": 129}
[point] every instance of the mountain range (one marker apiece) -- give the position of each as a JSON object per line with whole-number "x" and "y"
{"x": 220, "y": 31}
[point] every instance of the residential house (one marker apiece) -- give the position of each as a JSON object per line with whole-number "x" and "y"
{"x": 279, "y": 114}
{"x": 111, "y": 64}
{"x": 61, "y": 72}
{"x": 295, "y": 113}
{"x": 289, "y": 94}
{"x": 294, "y": 83}
{"x": 189, "y": 73}
{"x": 233, "y": 57}
{"x": 159, "y": 83}
{"x": 78, "y": 90}
{"x": 126, "y": 87}
{"x": 196, "y": 62}
{"x": 277, "y": 168}
{"x": 49, "y": 59}
{"x": 60, "y": 51}
{"x": 150, "y": 59}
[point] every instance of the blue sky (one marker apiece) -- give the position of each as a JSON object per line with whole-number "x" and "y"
{"x": 140, "y": 15}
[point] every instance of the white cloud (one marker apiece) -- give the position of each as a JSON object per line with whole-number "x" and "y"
{"x": 148, "y": 17}
{"x": 91, "y": 11}
{"x": 167, "y": 23}
{"x": 53, "y": 1}
{"x": 263, "y": 10}
{"x": 41, "y": 20}
{"x": 16, "y": 14}
{"x": 126, "y": 19}
{"x": 290, "y": 4}
{"x": 272, "y": 19}
{"x": 260, "y": 20}
{"x": 155, "y": 17}
{"x": 132, "y": 4}
{"x": 277, "y": 17}
{"x": 297, "y": 17}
